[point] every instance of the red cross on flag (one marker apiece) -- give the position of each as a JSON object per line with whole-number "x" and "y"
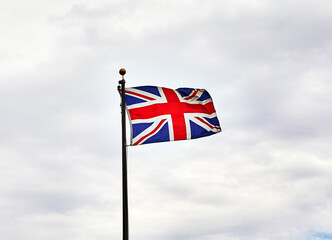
{"x": 159, "y": 114}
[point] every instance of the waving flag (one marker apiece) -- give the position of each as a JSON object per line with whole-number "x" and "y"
{"x": 159, "y": 114}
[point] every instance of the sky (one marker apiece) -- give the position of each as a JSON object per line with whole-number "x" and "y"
{"x": 266, "y": 64}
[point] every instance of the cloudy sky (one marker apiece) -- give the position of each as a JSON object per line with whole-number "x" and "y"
{"x": 267, "y": 65}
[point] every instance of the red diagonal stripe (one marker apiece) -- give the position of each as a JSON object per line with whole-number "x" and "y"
{"x": 140, "y": 95}
{"x": 193, "y": 95}
{"x": 148, "y": 135}
{"x": 206, "y": 123}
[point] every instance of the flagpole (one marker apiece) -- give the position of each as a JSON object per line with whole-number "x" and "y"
{"x": 124, "y": 158}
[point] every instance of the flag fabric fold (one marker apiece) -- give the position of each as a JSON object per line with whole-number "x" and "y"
{"x": 158, "y": 114}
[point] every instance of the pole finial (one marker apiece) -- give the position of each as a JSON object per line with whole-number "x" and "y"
{"x": 122, "y": 71}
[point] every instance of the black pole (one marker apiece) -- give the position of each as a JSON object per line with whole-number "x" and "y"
{"x": 124, "y": 158}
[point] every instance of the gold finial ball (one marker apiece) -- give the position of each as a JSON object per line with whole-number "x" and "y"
{"x": 122, "y": 71}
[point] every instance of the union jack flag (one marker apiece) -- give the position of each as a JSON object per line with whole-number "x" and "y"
{"x": 159, "y": 114}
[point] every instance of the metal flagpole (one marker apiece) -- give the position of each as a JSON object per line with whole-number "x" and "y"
{"x": 124, "y": 158}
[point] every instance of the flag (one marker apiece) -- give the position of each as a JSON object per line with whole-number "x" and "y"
{"x": 158, "y": 114}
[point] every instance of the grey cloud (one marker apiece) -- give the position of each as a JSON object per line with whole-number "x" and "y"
{"x": 266, "y": 176}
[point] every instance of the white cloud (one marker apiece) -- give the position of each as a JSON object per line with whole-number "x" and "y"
{"x": 267, "y": 67}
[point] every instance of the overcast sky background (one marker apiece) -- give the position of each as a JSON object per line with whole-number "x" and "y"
{"x": 267, "y": 65}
